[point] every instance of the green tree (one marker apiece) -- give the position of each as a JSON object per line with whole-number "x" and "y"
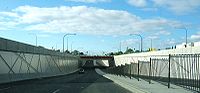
{"x": 76, "y": 52}
{"x": 67, "y": 51}
{"x": 128, "y": 51}
{"x": 81, "y": 53}
{"x": 137, "y": 51}
{"x": 118, "y": 53}
{"x": 110, "y": 54}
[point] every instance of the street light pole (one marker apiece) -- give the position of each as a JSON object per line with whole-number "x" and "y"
{"x": 71, "y": 46}
{"x": 67, "y": 40}
{"x": 36, "y": 39}
{"x": 186, "y": 32}
{"x": 120, "y": 46}
{"x": 141, "y": 39}
{"x": 186, "y": 36}
{"x": 151, "y": 44}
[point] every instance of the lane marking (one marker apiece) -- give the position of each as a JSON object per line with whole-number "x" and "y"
{"x": 56, "y": 91}
{"x": 5, "y": 88}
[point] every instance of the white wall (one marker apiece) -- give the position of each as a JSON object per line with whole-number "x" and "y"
{"x": 145, "y": 56}
{"x": 102, "y": 63}
{"x": 20, "y": 66}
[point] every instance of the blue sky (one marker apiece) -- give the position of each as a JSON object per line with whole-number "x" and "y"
{"x": 100, "y": 25}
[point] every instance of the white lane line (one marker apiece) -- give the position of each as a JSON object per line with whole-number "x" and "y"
{"x": 5, "y": 88}
{"x": 56, "y": 91}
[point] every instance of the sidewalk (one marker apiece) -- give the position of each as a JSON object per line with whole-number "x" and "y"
{"x": 142, "y": 86}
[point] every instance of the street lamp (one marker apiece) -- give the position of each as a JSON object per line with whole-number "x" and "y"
{"x": 71, "y": 46}
{"x": 151, "y": 44}
{"x": 120, "y": 46}
{"x": 67, "y": 40}
{"x": 141, "y": 39}
{"x": 35, "y": 37}
{"x": 186, "y": 31}
{"x": 36, "y": 40}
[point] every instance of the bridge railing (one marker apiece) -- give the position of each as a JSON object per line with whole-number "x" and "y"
{"x": 179, "y": 69}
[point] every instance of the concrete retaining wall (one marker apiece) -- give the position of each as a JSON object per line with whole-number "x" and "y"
{"x": 145, "y": 56}
{"x": 19, "y": 61}
{"x": 21, "y": 66}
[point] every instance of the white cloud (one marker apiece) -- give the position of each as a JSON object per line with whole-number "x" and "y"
{"x": 138, "y": 3}
{"x": 170, "y": 42}
{"x": 162, "y": 32}
{"x": 151, "y": 9}
{"x": 43, "y": 35}
{"x": 153, "y": 37}
{"x": 195, "y": 37}
{"x": 10, "y": 14}
{"x": 82, "y": 19}
{"x": 129, "y": 42}
{"x": 8, "y": 21}
{"x": 178, "y": 6}
{"x": 89, "y": 1}
{"x": 4, "y": 25}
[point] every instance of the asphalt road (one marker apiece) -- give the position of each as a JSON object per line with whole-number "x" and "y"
{"x": 89, "y": 82}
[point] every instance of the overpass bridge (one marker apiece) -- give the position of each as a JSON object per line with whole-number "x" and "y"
{"x": 98, "y": 61}
{"x": 30, "y": 69}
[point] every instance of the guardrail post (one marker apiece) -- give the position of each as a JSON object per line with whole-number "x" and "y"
{"x": 169, "y": 72}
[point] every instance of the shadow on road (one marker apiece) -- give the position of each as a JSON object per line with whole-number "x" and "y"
{"x": 89, "y": 82}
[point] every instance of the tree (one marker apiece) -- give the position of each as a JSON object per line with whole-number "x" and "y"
{"x": 115, "y": 53}
{"x": 67, "y": 51}
{"x": 128, "y": 51}
{"x": 76, "y": 52}
{"x": 58, "y": 50}
{"x": 137, "y": 51}
{"x": 118, "y": 53}
{"x": 81, "y": 53}
{"x": 110, "y": 54}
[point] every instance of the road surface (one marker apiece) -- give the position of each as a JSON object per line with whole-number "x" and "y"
{"x": 90, "y": 82}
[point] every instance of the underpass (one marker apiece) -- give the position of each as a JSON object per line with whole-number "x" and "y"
{"x": 31, "y": 69}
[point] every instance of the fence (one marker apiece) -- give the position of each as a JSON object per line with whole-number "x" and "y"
{"x": 185, "y": 71}
{"x": 178, "y": 69}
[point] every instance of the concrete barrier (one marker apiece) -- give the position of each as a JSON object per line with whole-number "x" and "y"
{"x": 21, "y": 66}
{"x": 145, "y": 56}
{"x": 19, "y": 61}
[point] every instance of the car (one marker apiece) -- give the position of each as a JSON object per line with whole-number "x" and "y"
{"x": 81, "y": 71}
